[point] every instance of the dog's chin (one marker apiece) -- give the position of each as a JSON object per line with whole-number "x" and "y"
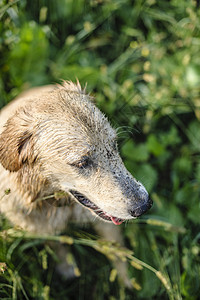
{"x": 94, "y": 208}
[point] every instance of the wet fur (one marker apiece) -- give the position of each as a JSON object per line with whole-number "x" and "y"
{"x": 47, "y": 136}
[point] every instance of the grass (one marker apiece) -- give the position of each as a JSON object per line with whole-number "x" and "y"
{"x": 141, "y": 61}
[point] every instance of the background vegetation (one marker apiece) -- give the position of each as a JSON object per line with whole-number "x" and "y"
{"x": 141, "y": 59}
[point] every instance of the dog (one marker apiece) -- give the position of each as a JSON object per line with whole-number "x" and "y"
{"x": 60, "y": 163}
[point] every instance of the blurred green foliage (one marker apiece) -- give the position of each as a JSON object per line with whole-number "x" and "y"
{"x": 141, "y": 61}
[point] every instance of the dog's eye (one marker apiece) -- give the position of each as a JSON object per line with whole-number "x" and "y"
{"x": 83, "y": 163}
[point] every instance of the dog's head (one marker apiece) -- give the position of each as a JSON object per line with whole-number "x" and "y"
{"x": 75, "y": 147}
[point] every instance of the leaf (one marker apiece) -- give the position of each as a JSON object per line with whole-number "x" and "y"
{"x": 154, "y": 145}
{"x": 135, "y": 152}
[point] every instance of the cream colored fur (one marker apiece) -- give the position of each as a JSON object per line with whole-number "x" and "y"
{"x": 45, "y": 137}
{"x": 55, "y": 143}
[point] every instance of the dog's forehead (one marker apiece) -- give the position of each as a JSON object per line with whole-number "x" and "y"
{"x": 82, "y": 115}
{"x": 73, "y": 120}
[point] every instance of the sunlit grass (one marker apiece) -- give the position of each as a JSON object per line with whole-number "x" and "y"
{"x": 141, "y": 62}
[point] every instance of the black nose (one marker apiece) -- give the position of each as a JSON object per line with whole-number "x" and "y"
{"x": 136, "y": 212}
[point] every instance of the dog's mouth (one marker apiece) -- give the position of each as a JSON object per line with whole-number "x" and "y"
{"x": 98, "y": 211}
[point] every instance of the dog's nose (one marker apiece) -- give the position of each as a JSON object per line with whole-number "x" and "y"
{"x": 136, "y": 212}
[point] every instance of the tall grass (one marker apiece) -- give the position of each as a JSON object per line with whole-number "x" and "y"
{"x": 141, "y": 61}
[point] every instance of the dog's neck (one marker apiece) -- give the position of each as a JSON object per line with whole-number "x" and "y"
{"x": 40, "y": 190}
{"x": 31, "y": 182}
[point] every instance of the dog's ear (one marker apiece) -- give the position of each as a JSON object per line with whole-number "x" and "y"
{"x": 16, "y": 142}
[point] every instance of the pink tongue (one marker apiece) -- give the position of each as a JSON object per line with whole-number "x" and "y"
{"x": 116, "y": 221}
